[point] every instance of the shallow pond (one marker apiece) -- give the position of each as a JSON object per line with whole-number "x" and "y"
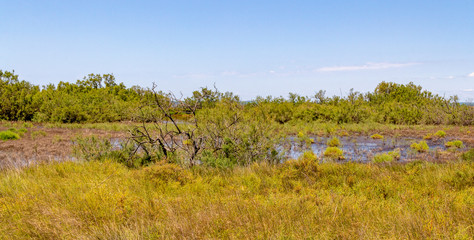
{"x": 363, "y": 148}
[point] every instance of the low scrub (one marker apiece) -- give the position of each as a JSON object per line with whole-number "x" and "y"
{"x": 9, "y": 135}
{"x": 468, "y": 156}
{"x": 387, "y": 157}
{"x": 440, "y": 134}
{"x": 102, "y": 149}
{"x": 376, "y": 136}
{"x": 420, "y": 147}
{"x": 334, "y": 142}
{"x": 308, "y": 156}
{"x": 454, "y": 144}
{"x": 334, "y": 153}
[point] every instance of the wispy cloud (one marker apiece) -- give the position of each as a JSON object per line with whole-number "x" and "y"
{"x": 367, "y": 66}
{"x": 471, "y": 74}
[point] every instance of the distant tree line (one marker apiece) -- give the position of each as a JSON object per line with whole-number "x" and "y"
{"x": 99, "y": 98}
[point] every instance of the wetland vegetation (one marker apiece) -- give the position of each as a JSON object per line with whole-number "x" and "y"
{"x": 97, "y": 159}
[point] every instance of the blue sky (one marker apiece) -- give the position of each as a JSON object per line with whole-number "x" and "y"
{"x": 248, "y": 47}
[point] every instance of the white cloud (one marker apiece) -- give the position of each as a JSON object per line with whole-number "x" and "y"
{"x": 468, "y": 90}
{"x": 368, "y": 66}
{"x": 471, "y": 74}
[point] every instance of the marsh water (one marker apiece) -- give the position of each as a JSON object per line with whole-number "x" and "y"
{"x": 355, "y": 148}
{"x": 363, "y": 148}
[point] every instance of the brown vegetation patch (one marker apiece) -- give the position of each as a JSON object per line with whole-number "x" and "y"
{"x": 41, "y": 144}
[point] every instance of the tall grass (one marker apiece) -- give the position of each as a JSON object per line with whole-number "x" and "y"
{"x": 295, "y": 200}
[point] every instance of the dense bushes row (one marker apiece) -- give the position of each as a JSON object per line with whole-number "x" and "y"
{"x": 389, "y": 103}
{"x": 98, "y": 98}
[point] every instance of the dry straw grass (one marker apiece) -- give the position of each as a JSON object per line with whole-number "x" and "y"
{"x": 295, "y": 200}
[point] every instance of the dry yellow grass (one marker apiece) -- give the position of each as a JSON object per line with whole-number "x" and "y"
{"x": 296, "y": 200}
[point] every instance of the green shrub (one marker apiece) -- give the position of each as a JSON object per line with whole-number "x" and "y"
{"x": 304, "y": 139}
{"x": 101, "y": 149}
{"x": 468, "y": 156}
{"x": 376, "y": 136}
{"x": 8, "y": 135}
{"x": 382, "y": 157}
{"x": 428, "y": 136}
{"x": 395, "y": 153}
{"x": 20, "y": 131}
{"x": 334, "y": 142}
{"x": 440, "y": 134}
{"x": 334, "y": 153}
{"x": 210, "y": 160}
{"x": 420, "y": 147}
{"x": 454, "y": 144}
{"x": 308, "y": 156}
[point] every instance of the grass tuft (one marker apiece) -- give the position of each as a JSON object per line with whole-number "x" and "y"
{"x": 376, "y": 136}
{"x": 420, "y": 147}
{"x": 9, "y": 135}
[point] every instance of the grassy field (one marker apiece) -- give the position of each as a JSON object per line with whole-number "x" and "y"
{"x": 295, "y": 200}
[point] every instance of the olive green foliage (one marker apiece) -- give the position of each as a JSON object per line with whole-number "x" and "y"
{"x": 334, "y": 142}
{"x": 420, "y": 147}
{"x": 468, "y": 156}
{"x": 382, "y": 157}
{"x": 454, "y": 144}
{"x": 17, "y": 98}
{"x": 220, "y": 132}
{"x": 95, "y": 148}
{"x": 304, "y": 140}
{"x": 95, "y": 98}
{"x": 308, "y": 156}
{"x": 428, "y": 136}
{"x": 334, "y": 153}
{"x": 376, "y": 136}
{"x": 440, "y": 134}
{"x": 389, "y": 103}
{"x": 98, "y": 98}
{"x": 387, "y": 157}
{"x": 19, "y": 131}
{"x": 9, "y": 135}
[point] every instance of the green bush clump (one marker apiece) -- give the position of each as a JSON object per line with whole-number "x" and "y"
{"x": 308, "y": 156}
{"x": 454, "y": 144}
{"x": 382, "y": 157}
{"x": 387, "y": 157}
{"x": 211, "y": 160}
{"x": 420, "y": 147}
{"x": 20, "y": 131}
{"x": 376, "y": 136}
{"x": 334, "y": 142}
{"x": 395, "y": 153}
{"x": 440, "y": 134}
{"x": 9, "y": 135}
{"x": 334, "y": 153}
{"x": 468, "y": 156}
{"x": 304, "y": 139}
{"x": 428, "y": 136}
